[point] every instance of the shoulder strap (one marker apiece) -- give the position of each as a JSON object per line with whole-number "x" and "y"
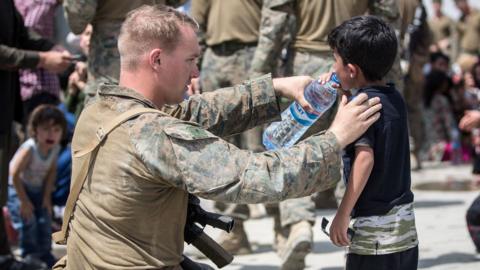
{"x": 89, "y": 152}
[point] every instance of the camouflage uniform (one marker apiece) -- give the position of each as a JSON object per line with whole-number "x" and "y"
{"x": 229, "y": 62}
{"x": 469, "y": 39}
{"x": 131, "y": 210}
{"x": 308, "y": 61}
{"x": 106, "y": 17}
{"x": 443, "y": 30}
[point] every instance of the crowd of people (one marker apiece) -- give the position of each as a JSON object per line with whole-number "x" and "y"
{"x": 435, "y": 66}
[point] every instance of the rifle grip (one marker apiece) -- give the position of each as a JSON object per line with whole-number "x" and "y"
{"x": 212, "y": 250}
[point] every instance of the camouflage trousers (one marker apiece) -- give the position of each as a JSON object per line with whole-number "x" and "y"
{"x": 395, "y": 75}
{"x": 220, "y": 71}
{"x": 103, "y": 58}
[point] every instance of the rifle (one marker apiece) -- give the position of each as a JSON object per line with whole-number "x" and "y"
{"x": 194, "y": 235}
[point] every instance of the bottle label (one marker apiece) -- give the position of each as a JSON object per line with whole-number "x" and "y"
{"x": 301, "y": 116}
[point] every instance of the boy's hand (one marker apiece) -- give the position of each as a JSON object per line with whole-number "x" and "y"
{"x": 26, "y": 209}
{"x": 338, "y": 230}
{"x": 194, "y": 87}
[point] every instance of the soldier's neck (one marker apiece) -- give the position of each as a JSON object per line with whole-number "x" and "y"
{"x": 142, "y": 85}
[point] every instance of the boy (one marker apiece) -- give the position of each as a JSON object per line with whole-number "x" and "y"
{"x": 31, "y": 180}
{"x": 376, "y": 166}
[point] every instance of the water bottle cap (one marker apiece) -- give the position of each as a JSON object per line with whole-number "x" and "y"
{"x": 334, "y": 78}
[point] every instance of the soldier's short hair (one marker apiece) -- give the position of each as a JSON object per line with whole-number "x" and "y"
{"x": 367, "y": 42}
{"x": 149, "y": 26}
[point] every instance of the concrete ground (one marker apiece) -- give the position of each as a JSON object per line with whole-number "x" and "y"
{"x": 440, "y": 215}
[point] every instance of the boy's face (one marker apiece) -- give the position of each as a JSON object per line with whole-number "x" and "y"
{"x": 48, "y": 135}
{"x": 343, "y": 72}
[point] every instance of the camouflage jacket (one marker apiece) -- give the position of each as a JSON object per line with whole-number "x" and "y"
{"x": 271, "y": 23}
{"x": 132, "y": 208}
{"x": 106, "y": 17}
{"x": 278, "y": 24}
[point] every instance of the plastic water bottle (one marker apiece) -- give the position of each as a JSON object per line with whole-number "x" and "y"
{"x": 295, "y": 121}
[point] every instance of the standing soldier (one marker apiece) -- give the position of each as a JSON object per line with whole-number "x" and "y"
{"x": 442, "y": 28}
{"x": 228, "y": 35}
{"x": 311, "y": 55}
{"x": 469, "y": 34}
{"x": 106, "y": 17}
{"x": 416, "y": 33}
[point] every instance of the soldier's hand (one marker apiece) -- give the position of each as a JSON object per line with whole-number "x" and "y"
{"x": 54, "y": 61}
{"x": 292, "y": 88}
{"x": 354, "y": 118}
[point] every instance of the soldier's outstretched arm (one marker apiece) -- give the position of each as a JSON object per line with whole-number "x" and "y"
{"x": 231, "y": 110}
{"x": 235, "y": 109}
{"x": 191, "y": 158}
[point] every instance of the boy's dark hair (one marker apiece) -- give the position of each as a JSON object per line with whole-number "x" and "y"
{"x": 46, "y": 114}
{"x": 439, "y": 55}
{"x": 367, "y": 42}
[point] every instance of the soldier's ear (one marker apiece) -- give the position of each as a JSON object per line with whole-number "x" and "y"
{"x": 154, "y": 58}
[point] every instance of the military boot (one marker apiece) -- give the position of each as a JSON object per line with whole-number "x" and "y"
{"x": 298, "y": 245}
{"x": 236, "y": 242}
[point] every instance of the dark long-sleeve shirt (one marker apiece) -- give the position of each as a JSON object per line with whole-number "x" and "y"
{"x": 18, "y": 48}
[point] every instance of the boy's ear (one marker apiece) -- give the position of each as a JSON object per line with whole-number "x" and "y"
{"x": 353, "y": 70}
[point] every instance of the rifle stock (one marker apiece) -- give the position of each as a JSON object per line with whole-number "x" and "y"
{"x": 194, "y": 234}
